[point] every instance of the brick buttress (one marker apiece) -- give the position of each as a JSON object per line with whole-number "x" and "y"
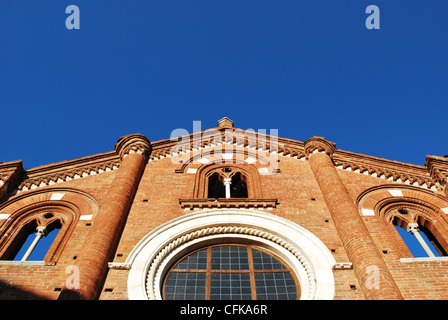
{"x": 107, "y": 226}
{"x": 368, "y": 265}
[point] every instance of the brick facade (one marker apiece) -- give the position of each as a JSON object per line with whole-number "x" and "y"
{"x": 125, "y": 213}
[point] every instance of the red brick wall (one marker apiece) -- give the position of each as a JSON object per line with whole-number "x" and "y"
{"x": 46, "y": 282}
{"x": 157, "y": 201}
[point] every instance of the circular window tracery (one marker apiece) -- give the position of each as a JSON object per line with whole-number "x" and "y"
{"x": 153, "y": 257}
{"x": 230, "y": 272}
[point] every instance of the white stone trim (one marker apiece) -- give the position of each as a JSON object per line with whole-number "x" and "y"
{"x": 308, "y": 257}
{"x": 4, "y": 216}
{"x": 57, "y": 196}
{"x": 118, "y": 265}
{"x": 204, "y": 160}
{"x": 367, "y": 212}
{"x": 395, "y": 193}
{"x": 227, "y": 156}
{"x": 250, "y": 160}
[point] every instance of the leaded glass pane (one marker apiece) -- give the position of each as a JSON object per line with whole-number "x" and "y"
{"x": 228, "y": 273}
{"x": 195, "y": 261}
{"x": 230, "y": 286}
{"x": 275, "y": 286}
{"x": 230, "y": 258}
{"x": 264, "y": 261}
{"x": 185, "y": 286}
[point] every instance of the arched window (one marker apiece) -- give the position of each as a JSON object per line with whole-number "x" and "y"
{"x": 227, "y": 185}
{"x": 230, "y": 254}
{"x": 37, "y": 235}
{"x": 227, "y": 182}
{"x": 417, "y": 231}
{"x": 230, "y": 272}
{"x": 420, "y": 240}
{"x": 216, "y": 186}
{"x": 238, "y": 186}
{"x": 33, "y": 242}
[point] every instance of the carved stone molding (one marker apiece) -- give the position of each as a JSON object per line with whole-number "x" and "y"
{"x": 223, "y": 203}
{"x": 154, "y": 269}
{"x": 307, "y": 256}
{"x": 343, "y": 266}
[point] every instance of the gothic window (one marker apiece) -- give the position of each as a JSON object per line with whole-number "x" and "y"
{"x": 420, "y": 241}
{"x": 238, "y": 186}
{"x": 36, "y": 236}
{"x": 228, "y": 182}
{"x": 216, "y": 187}
{"x": 234, "y": 185}
{"x": 33, "y": 242}
{"x": 418, "y": 232}
{"x": 230, "y": 272}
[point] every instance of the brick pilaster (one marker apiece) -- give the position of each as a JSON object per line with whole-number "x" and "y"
{"x": 107, "y": 226}
{"x": 368, "y": 264}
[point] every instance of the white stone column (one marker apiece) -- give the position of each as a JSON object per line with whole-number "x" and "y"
{"x": 413, "y": 228}
{"x": 227, "y": 183}
{"x": 41, "y": 232}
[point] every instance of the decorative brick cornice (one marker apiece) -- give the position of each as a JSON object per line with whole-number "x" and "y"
{"x": 52, "y": 174}
{"x": 438, "y": 169}
{"x": 384, "y": 169}
{"x": 431, "y": 176}
{"x": 225, "y": 136}
{"x": 319, "y": 144}
{"x": 133, "y": 143}
{"x": 78, "y": 168}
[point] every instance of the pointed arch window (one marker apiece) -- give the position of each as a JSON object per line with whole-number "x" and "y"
{"x": 216, "y": 187}
{"x": 420, "y": 241}
{"x": 33, "y": 242}
{"x": 238, "y": 186}
{"x": 227, "y": 185}
{"x": 229, "y": 182}
{"x": 39, "y": 234}
{"x": 418, "y": 232}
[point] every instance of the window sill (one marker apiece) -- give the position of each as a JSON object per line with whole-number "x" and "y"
{"x": 25, "y": 263}
{"x": 424, "y": 259}
{"x": 227, "y": 203}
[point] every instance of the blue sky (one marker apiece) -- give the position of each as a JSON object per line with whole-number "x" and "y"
{"x": 305, "y": 68}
